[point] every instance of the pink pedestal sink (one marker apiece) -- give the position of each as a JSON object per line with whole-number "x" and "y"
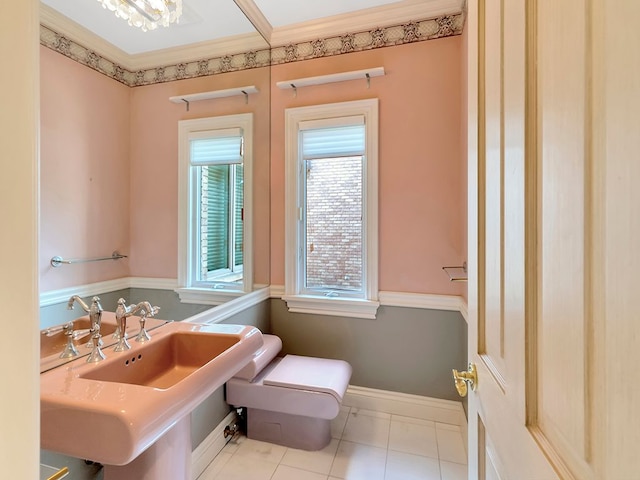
{"x": 130, "y": 411}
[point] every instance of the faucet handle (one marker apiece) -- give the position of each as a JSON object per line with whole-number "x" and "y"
{"x": 96, "y": 354}
{"x": 70, "y": 349}
{"x": 143, "y": 335}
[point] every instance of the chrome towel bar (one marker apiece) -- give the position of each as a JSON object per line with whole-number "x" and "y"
{"x": 57, "y": 261}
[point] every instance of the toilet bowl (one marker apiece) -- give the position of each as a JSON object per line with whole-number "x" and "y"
{"x": 289, "y": 400}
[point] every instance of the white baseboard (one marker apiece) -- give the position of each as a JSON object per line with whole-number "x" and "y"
{"x": 416, "y": 406}
{"x": 204, "y": 453}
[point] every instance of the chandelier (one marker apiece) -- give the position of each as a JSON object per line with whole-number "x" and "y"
{"x": 146, "y": 14}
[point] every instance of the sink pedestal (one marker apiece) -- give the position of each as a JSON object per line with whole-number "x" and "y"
{"x": 168, "y": 457}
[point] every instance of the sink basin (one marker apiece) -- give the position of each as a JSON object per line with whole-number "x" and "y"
{"x": 166, "y": 362}
{"x": 112, "y": 411}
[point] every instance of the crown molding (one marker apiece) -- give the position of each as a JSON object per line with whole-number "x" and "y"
{"x": 383, "y": 16}
{"x": 247, "y": 42}
{"x": 57, "y": 22}
{"x": 256, "y": 17}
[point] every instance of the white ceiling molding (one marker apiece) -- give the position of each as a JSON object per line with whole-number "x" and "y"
{"x": 197, "y": 51}
{"x": 256, "y": 17}
{"x": 71, "y": 30}
{"x": 383, "y": 16}
{"x": 184, "y": 54}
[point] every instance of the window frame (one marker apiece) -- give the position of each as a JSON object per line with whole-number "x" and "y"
{"x": 188, "y": 289}
{"x": 297, "y": 299}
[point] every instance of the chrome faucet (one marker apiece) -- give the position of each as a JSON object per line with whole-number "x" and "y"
{"x": 95, "y": 315}
{"x": 70, "y": 350}
{"x": 122, "y": 312}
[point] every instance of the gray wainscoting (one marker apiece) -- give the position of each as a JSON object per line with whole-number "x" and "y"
{"x": 407, "y": 350}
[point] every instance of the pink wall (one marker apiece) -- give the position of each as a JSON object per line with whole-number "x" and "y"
{"x": 154, "y": 166}
{"x": 109, "y": 164}
{"x": 84, "y": 172}
{"x": 109, "y": 170}
{"x": 421, "y": 169}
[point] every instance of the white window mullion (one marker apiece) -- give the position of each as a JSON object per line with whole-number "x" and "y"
{"x": 216, "y": 142}
{"x": 329, "y": 133}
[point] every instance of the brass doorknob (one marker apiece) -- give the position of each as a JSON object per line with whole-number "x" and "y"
{"x": 462, "y": 378}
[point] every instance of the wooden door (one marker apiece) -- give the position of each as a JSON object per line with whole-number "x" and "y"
{"x": 554, "y": 236}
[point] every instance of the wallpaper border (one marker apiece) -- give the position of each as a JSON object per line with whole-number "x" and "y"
{"x": 422, "y": 30}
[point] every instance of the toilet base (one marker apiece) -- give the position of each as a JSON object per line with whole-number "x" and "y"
{"x": 295, "y": 431}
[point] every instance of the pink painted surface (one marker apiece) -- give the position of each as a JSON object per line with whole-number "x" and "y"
{"x": 84, "y": 172}
{"x": 154, "y": 167}
{"x": 421, "y": 167}
{"x": 109, "y": 170}
{"x": 109, "y": 165}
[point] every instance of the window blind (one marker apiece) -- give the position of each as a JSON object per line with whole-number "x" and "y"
{"x": 340, "y": 141}
{"x": 216, "y": 147}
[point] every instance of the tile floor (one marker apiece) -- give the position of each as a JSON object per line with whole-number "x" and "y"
{"x": 366, "y": 445}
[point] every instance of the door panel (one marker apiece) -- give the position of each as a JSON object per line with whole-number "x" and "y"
{"x": 491, "y": 337}
{"x": 554, "y": 238}
{"x": 562, "y": 314}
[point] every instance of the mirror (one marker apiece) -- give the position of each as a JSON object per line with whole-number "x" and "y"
{"x": 109, "y": 156}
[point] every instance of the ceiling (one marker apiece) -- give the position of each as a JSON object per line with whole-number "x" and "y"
{"x": 207, "y": 21}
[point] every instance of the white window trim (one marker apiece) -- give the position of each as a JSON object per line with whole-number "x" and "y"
{"x": 347, "y": 307}
{"x": 188, "y": 293}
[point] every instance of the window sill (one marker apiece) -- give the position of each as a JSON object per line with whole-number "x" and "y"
{"x": 206, "y": 296}
{"x": 341, "y": 307}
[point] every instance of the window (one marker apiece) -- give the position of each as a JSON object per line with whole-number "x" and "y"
{"x": 214, "y": 218}
{"x": 331, "y": 201}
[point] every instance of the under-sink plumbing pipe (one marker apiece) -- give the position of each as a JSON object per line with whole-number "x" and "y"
{"x": 237, "y": 427}
{"x": 231, "y": 430}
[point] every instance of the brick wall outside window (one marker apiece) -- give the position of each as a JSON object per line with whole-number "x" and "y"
{"x": 334, "y": 223}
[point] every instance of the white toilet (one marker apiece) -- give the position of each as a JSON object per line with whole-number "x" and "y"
{"x": 289, "y": 401}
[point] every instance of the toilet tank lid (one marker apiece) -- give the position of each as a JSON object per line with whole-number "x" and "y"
{"x": 309, "y": 373}
{"x": 270, "y": 348}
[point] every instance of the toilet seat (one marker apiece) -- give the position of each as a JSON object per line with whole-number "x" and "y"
{"x": 297, "y": 385}
{"x": 319, "y": 375}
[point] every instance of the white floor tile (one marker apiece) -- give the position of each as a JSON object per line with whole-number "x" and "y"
{"x": 338, "y": 423}
{"x": 257, "y": 450}
{"x": 451, "y": 446}
{"x": 233, "y": 445}
{"x": 362, "y": 427}
{"x": 405, "y": 466}
{"x": 284, "y": 472}
{"x": 215, "y": 466}
{"x": 371, "y": 413}
{"x": 318, "y": 462}
{"x": 416, "y": 421}
{"x": 453, "y": 471}
{"x": 365, "y": 445}
{"x": 242, "y": 467}
{"x": 355, "y": 461}
{"x": 415, "y": 438}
